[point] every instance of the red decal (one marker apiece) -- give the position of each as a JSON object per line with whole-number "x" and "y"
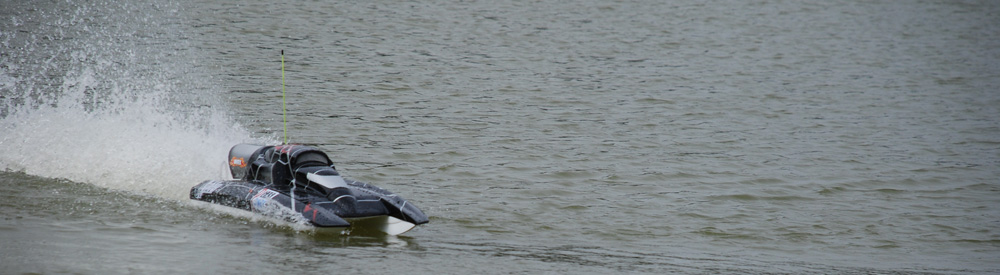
{"x": 309, "y": 207}
{"x": 237, "y": 162}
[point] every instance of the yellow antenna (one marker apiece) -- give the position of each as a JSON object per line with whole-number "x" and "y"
{"x": 284, "y": 116}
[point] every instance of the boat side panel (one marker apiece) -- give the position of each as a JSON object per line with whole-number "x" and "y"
{"x": 259, "y": 198}
{"x": 395, "y": 205}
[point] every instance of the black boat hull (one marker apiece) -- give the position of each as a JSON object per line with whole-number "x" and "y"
{"x": 370, "y": 208}
{"x": 298, "y": 182}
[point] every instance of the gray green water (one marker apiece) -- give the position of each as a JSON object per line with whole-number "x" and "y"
{"x": 546, "y": 136}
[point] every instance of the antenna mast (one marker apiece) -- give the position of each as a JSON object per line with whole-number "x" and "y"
{"x": 284, "y": 116}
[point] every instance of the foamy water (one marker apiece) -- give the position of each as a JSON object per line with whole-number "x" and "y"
{"x": 134, "y": 148}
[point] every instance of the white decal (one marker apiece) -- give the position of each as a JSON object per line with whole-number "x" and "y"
{"x": 267, "y": 193}
{"x": 209, "y": 187}
{"x": 260, "y": 201}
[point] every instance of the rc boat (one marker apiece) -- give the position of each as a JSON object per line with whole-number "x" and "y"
{"x": 298, "y": 182}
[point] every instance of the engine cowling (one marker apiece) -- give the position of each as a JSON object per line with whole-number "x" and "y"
{"x": 240, "y": 158}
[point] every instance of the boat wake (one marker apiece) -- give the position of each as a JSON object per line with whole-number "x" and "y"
{"x": 101, "y": 100}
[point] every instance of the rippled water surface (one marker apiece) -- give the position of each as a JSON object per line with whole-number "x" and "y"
{"x": 546, "y": 136}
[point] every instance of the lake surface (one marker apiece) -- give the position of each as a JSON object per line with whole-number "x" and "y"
{"x": 547, "y": 136}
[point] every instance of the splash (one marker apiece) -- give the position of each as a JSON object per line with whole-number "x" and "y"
{"x": 108, "y": 95}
